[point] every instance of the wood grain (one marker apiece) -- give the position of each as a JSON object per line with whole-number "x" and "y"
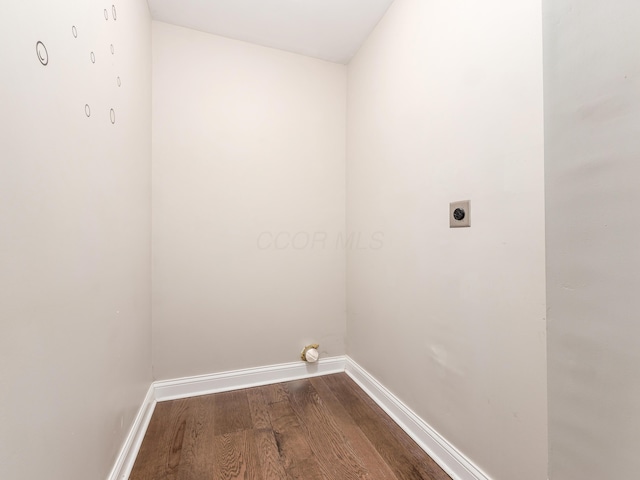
{"x": 275, "y": 393}
{"x": 196, "y": 461}
{"x": 259, "y": 409}
{"x": 236, "y": 457}
{"x": 232, "y": 413}
{"x": 272, "y": 465}
{"x": 405, "y": 458}
{"x": 293, "y": 446}
{"x": 334, "y": 454}
{"x": 325, "y": 428}
{"x": 371, "y": 459}
{"x": 175, "y": 446}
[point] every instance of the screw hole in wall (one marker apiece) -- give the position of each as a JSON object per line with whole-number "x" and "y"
{"x": 74, "y": 31}
{"x": 112, "y": 116}
{"x": 87, "y": 110}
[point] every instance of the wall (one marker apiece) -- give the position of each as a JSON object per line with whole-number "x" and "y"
{"x": 74, "y": 235}
{"x": 248, "y": 204}
{"x": 592, "y": 118}
{"x": 445, "y": 104}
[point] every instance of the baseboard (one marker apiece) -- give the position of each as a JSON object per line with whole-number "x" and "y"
{"x": 457, "y": 466}
{"x": 251, "y": 377}
{"x": 443, "y": 453}
{"x": 129, "y": 452}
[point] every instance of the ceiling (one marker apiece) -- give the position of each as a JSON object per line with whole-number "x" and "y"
{"x": 332, "y": 30}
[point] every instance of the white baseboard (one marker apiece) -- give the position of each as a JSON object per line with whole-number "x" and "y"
{"x": 251, "y": 377}
{"x": 442, "y": 452}
{"x": 457, "y": 466}
{"x": 129, "y": 452}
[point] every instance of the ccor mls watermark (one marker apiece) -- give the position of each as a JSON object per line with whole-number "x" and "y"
{"x": 304, "y": 240}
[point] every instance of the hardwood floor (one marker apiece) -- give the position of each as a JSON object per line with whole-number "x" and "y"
{"x": 324, "y": 428}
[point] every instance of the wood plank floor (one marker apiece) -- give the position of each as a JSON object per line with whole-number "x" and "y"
{"x": 321, "y": 428}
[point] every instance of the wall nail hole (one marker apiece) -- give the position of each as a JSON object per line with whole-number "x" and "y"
{"x": 112, "y": 115}
{"x": 74, "y": 31}
{"x": 87, "y": 110}
{"x": 93, "y": 57}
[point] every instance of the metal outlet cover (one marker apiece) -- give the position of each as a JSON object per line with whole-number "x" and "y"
{"x": 460, "y": 214}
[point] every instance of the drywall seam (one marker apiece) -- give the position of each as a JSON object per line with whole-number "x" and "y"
{"x": 438, "y": 448}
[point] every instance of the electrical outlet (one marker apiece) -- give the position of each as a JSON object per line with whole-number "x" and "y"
{"x": 460, "y": 214}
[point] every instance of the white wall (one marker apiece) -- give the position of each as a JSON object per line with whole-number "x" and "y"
{"x": 248, "y": 204}
{"x": 74, "y": 235}
{"x": 445, "y": 104}
{"x": 592, "y": 131}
